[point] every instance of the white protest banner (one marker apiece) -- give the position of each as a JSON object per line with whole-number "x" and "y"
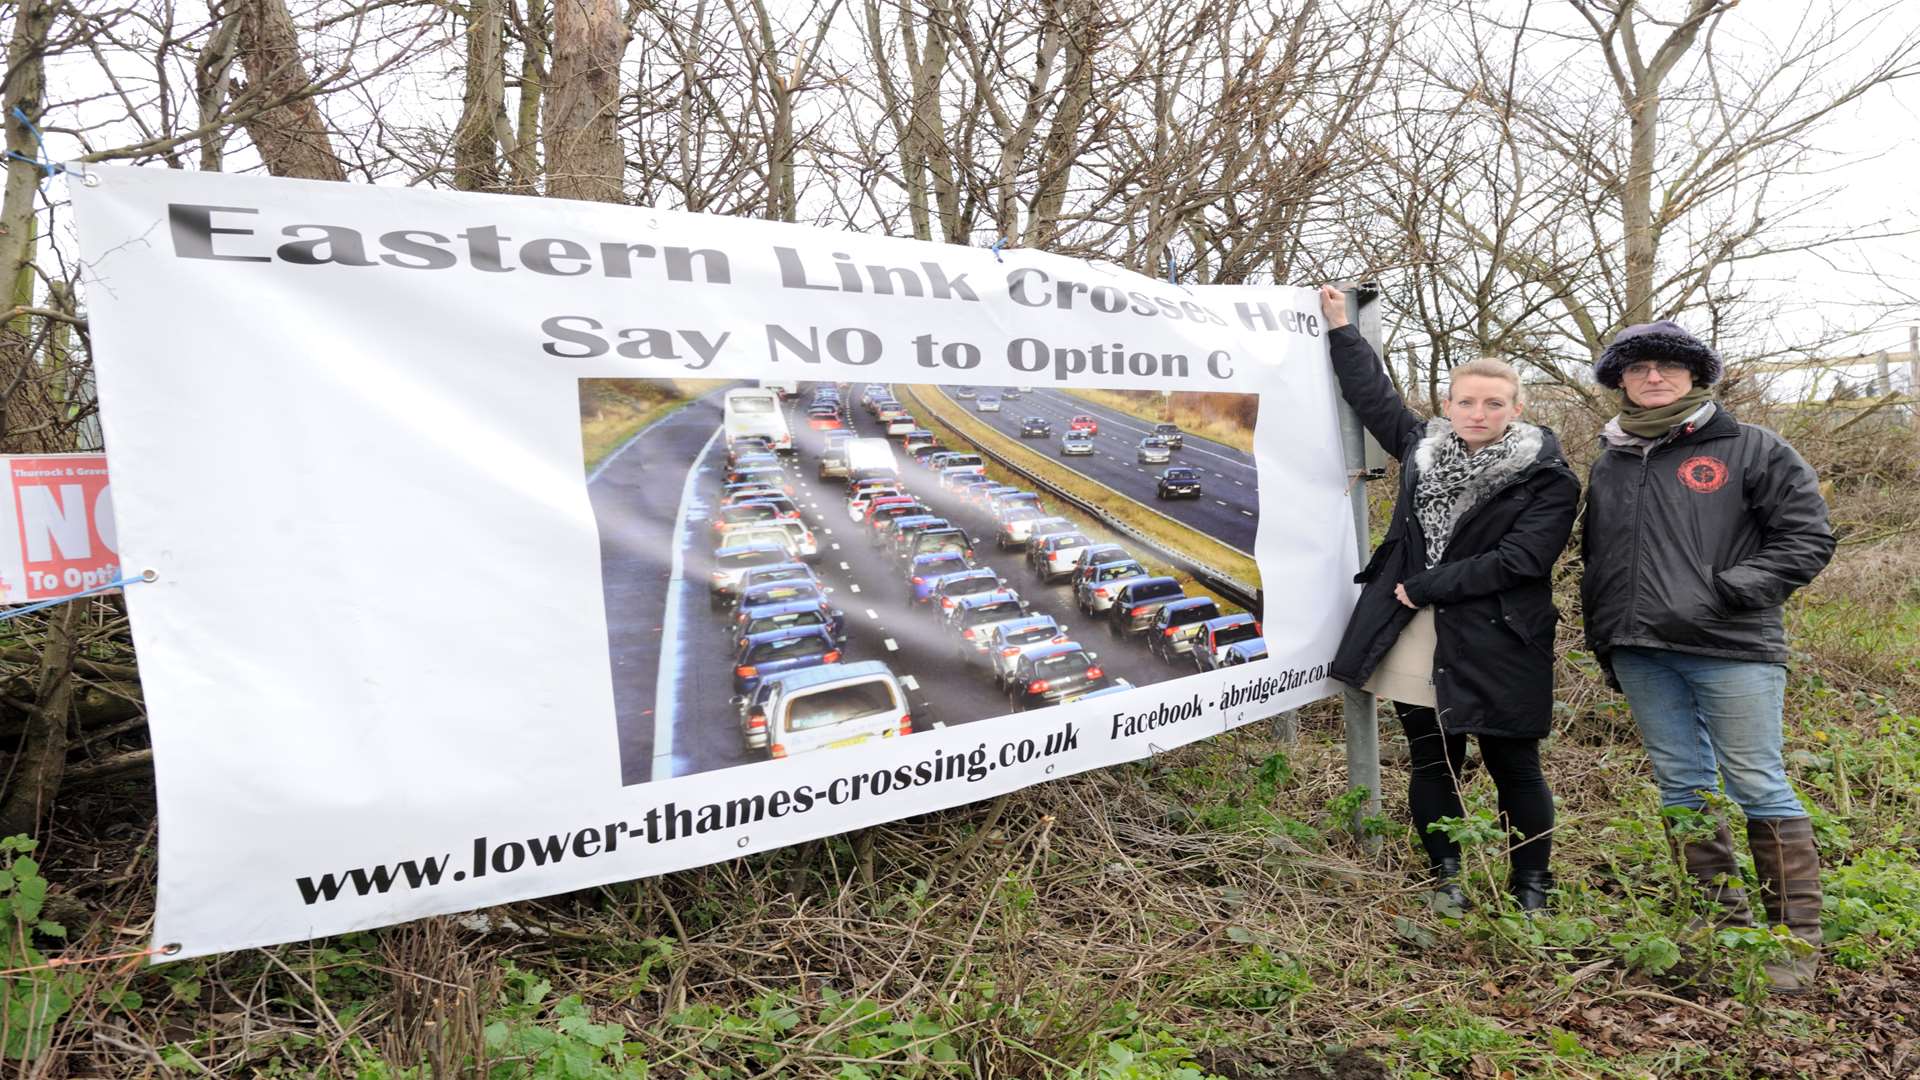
{"x": 410, "y": 652}
{"x": 57, "y": 533}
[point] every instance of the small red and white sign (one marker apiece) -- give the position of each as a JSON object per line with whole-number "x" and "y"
{"x": 56, "y": 528}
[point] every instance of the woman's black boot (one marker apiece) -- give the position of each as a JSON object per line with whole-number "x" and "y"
{"x": 1448, "y": 898}
{"x": 1530, "y": 889}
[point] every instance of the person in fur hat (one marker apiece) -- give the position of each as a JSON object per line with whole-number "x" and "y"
{"x": 1698, "y": 528}
{"x": 1455, "y": 621}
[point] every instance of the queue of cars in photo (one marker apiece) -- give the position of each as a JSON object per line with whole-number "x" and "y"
{"x": 923, "y": 511}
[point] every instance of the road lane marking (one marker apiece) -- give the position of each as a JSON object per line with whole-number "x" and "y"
{"x": 909, "y": 682}
{"x": 855, "y": 587}
{"x": 844, "y": 566}
{"x": 836, "y": 547}
{"x": 892, "y": 645}
{"x": 872, "y": 614}
{"x": 1249, "y": 513}
{"x": 667, "y": 707}
{"x": 1222, "y": 502}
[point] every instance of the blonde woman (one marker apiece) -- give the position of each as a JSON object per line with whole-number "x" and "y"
{"x": 1455, "y": 621}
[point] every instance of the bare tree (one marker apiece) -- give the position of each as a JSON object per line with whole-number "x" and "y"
{"x": 26, "y": 87}
{"x": 523, "y": 148}
{"x": 581, "y": 123}
{"x": 483, "y": 128}
{"x": 1638, "y": 78}
{"x": 915, "y": 114}
{"x": 1540, "y": 214}
{"x": 290, "y": 134}
{"x": 45, "y": 373}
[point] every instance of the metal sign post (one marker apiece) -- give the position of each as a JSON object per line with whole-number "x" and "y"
{"x": 1357, "y": 706}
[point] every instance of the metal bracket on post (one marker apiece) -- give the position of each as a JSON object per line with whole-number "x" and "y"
{"x": 1358, "y": 707}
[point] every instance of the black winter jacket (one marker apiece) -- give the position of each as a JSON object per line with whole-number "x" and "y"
{"x": 1695, "y": 545}
{"x": 1492, "y": 599}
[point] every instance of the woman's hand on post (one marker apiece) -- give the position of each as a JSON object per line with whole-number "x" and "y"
{"x": 1400, "y": 593}
{"x": 1333, "y": 304}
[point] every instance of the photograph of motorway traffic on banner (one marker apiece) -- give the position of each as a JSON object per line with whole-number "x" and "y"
{"x": 790, "y": 567}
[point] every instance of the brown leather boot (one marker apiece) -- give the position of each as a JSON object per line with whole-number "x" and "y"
{"x": 1710, "y": 862}
{"x": 1789, "y": 868}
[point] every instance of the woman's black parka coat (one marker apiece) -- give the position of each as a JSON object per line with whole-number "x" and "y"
{"x": 1491, "y": 592}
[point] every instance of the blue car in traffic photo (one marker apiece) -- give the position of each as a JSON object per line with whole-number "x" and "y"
{"x": 790, "y": 615}
{"x": 927, "y": 570}
{"x": 781, "y": 651}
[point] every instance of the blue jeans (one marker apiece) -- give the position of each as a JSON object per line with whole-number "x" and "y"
{"x": 1704, "y": 720}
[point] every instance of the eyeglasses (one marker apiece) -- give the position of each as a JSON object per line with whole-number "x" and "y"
{"x": 1667, "y": 368}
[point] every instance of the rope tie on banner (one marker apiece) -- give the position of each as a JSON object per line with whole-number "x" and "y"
{"x": 51, "y": 168}
{"x": 997, "y": 245}
{"x": 73, "y": 961}
{"x": 43, "y": 162}
{"x": 142, "y": 576}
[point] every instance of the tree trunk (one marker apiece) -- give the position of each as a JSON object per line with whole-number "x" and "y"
{"x": 912, "y": 171}
{"x": 30, "y": 418}
{"x": 1014, "y": 142}
{"x": 42, "y": 760}
{"x": 523, "y": 160}
{"x": 1062, "y": 145}
{"x": 476, "y": 150}
{"x": 292, "y": 137}
{"x": 1636, "y": 206}
{"x": 584, "y": 160}
{"x": 780, "y": 152}
{"x": 781, "y": 202}
{"x": 930, "y": 124}
{"x": 26, "y": 87}
{"x": 212, "y": 79}
{"x": 1639, "y": 82}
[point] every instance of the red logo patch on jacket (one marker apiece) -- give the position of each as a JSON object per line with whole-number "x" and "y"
{"x": 1703, "y": 474}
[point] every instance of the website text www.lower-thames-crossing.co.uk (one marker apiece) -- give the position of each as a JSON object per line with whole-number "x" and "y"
{"x": 670, "y": 822}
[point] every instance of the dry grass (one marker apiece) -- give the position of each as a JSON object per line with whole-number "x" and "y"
{"x": 613, "y": 410}
{"x": 1175, "y": 901}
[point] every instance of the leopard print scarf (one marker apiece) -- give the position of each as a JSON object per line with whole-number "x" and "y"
{"x": 1448, "y": 482}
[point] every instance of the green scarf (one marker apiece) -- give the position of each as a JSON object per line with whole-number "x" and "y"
{"x": 1655, "y": 422}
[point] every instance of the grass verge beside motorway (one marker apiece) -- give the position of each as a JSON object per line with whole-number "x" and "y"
{"x": 614, "y": 410}
{"x": 1190, "y": 410}
{"x": 1164, "y": 530}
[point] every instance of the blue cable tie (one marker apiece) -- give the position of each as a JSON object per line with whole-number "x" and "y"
{"x": 47, "y": 167}
{"x": 58, "y": 600}
{"x": 43, "y": 163}
{"x": 997, "y": 245}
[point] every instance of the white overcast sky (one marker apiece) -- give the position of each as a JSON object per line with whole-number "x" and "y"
{"x": 1874, "y": 150}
